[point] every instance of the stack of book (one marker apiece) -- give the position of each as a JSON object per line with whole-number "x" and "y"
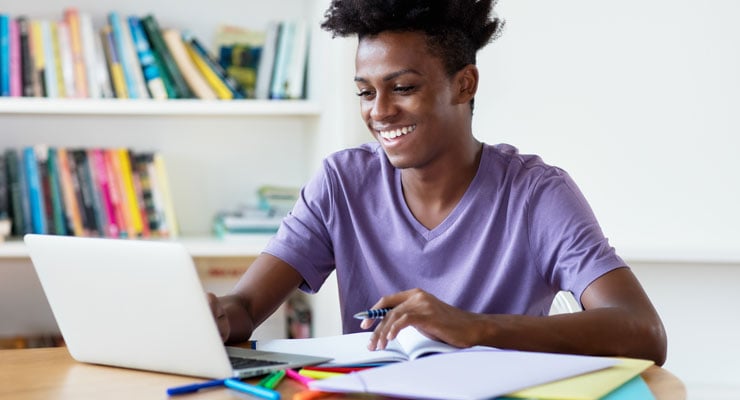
{"x": 115, "y": 193}
{"x": 274, "y": 203}
{"x": 133, "y": 57}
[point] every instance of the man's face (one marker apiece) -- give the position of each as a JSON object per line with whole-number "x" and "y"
{"x": 406, "y": 98}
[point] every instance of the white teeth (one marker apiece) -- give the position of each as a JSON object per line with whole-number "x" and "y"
{"x": 392, "y": 134}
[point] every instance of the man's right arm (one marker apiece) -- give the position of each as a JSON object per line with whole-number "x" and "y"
{"x": 266, "y": 284}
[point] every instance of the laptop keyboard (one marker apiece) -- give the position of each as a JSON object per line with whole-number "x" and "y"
{"x": 241, "y": 363}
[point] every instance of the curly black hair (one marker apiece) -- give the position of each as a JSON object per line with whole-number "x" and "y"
{"x": 455, "y": 29}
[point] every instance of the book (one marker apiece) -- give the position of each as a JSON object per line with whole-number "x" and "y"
{"x": 71, "y": 206}
{"x": 51, "y": 82}
{"x": 214, "y": 81}
{"x": 351, "y": 349}
{"x": 72, "y": 18}
{"x": 149, "y": 67}
{"x": 267, "y": 61}
{"x": 90, "y": 55}
{"x": 189, "y": 71}
{"x": 103, "y": 81}
{"x": 123, "y": 44}
{"x": 128, "y": 193}
{"x": 20, "y": 212}
{"x": 4, "y": 54}
{"x": 100, "y": 173}
{"x": 36, "y": 42}
{"x": 481, "y": 373}
{"x": 110, "y": 159}
{"x": 27, "y": 63}
{"x": 4, "y": 190}
{"x": 35, "y": 192}
{"x": 56, "y": 55}
{"x": 58, "y": 220}
{"x": 162, "y": 185}
{"x": 296, "y": 69}
{"x": 212, "y": 63}
{"x": 66, "y": 61}
{"x": 171, "y": 71}
{"x": 239, "y": 53}
{"x": 16, "y": 76}
{"x": 115, "y": 69}
{"x": 282, "y": 60}
{"x": 86, "y": 187}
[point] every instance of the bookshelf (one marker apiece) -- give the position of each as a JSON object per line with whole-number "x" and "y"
{"x": 217, "y": 152}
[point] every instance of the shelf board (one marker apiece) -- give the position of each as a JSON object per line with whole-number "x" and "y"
{"x": 198, "y": 246}
{"x": 45, "y": 106}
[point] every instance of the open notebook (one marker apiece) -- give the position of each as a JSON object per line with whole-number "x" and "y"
{"x": 140, "y": 304}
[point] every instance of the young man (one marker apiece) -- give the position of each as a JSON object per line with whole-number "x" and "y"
{"x": 466, "y": 241}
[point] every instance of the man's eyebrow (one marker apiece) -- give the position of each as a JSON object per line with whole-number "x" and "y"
{"x": 392, "y": 75}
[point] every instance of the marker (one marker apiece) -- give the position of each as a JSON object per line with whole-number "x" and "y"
{"x": 272, "y": 380}
{"x": 373, "y": 313}
{"x": 254, "y": 390}
{"x": 192, "y": 388}
{"x": 298, "y": 377}
{"x": 312, "y": 373}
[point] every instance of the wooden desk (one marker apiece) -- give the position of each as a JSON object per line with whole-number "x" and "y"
{"x": 50, "y": 373}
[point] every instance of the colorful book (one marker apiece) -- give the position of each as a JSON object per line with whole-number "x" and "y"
{"x": 123, "y": 43}
{"x": 16, "y": 74}
{"x": 27, "y": 63}
{"x": 35, "y": 191}
{"x": 72, "y": 18}
{"x": 189, "y": 71}
{"x": 66, "y": 60}
{"x": 149, "y": 66}
{"x": 20, "y": 213}
{"x": 282, "y": 60}
{"x": 37, "y": 50}
{"x": 51, "y": 83}
{"x": 163, "y": 186}
{"x": 296, "y": 69}
{"x": 100, "y": 175}
{"x": 115, "y": 185}
{"x": 267, "y": 61}
{"x": 115, "y": 68}
{"x": 128, "y": 192}
{"x": 90, "y": 56}
{"x": 56, "y": 55}
{"x": 212, "y": 63}
{"x": 92, "y": 222}
{"x": 58, "y": 216}
{"x": 161, "y": 51}
{"x": 71, "y": 206}
{"x": 214, "y": 81}
{"x": 4, "y": 54}
{"x": 99, "y": 207}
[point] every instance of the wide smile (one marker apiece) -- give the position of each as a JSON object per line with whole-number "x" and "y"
{"x": 394, "y": 133}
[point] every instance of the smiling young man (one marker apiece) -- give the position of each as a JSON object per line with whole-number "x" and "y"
{"x": 466, "y": 241}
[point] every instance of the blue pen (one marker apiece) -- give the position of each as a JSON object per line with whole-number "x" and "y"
{"x": 374, "y": 313}
{"x": 192, "y": 388}
{"x": 258, "y": 391}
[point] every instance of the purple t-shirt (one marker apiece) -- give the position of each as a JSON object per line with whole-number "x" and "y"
{"x": 521, "y": 232}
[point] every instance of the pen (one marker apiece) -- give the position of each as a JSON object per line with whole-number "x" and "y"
{"x": 272, "y": 380}
{"x": 254, "y": 390}
{"x": 297, "y": 377}
{"x": 373, "y": 313}
{"x": 194, "y": 387}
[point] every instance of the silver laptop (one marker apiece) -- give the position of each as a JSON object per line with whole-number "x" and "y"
{"x": 140, "y": 304}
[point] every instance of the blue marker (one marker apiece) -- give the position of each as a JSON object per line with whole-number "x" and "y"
{"x": 258, "y": 391}
{"x": 374, "y": 313}
{"x": 194, "y": 387}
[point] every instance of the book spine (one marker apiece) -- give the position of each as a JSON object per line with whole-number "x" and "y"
{"x": 98, "y": 206}
{"x": 59, "y": 219}
{"x": 115, "y": 69}
{"x": 102, "y": 74}
{"x": 4, "y": 54}
{"x": 4, "y": 192}
{"x": 72, "y": 17}
{"x": 65, "y": 59}
{"x": 14, "y": 191}
{"x": 42, "y": 159}
{"x": 215, "y": 66}
{"x": 194, "y": 79}
{"x": 115, "y": 185}
{"x": 139, "y": 193}
{"x": 27, "y": 63}
{"x": 141, "y": 164}
{"x": 16, "y": 74}
{"x": 71, "y": 206}
{"x": 37, "y": 49}
{"x": 295, "y": 79}
{"x": 214, "y": 81}
{"x": 100, "y": 175}
{"x": 57, "y": 56}
{"x": 152, "y": 76}
{"x": 35, "y": 191}
{"x": 164, "y": 186}
{"x": 129, "y": 193}
{"x": 89, "y": 55}
{"x": 50, "y": 72}
{"x": 154, "y": 33}
{"x": 267, "y": 61}
{"x": 157, "y": 200}
{"x": 282, "y": 60}
{"x": 121, "y": 42}
{"x": 85, "y": 189}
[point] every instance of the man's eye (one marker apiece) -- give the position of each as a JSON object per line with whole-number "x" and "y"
{"x": 404, "y": 89}
{"x": 364, "y": 93}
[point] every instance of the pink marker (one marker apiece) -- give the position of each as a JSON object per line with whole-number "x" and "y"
{"x": 297, "y": 377}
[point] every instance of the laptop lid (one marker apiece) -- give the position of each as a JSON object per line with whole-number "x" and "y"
{"x": 135, "y": 304}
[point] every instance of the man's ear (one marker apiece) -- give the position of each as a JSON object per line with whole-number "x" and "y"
{"x": 466, "y": 81}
